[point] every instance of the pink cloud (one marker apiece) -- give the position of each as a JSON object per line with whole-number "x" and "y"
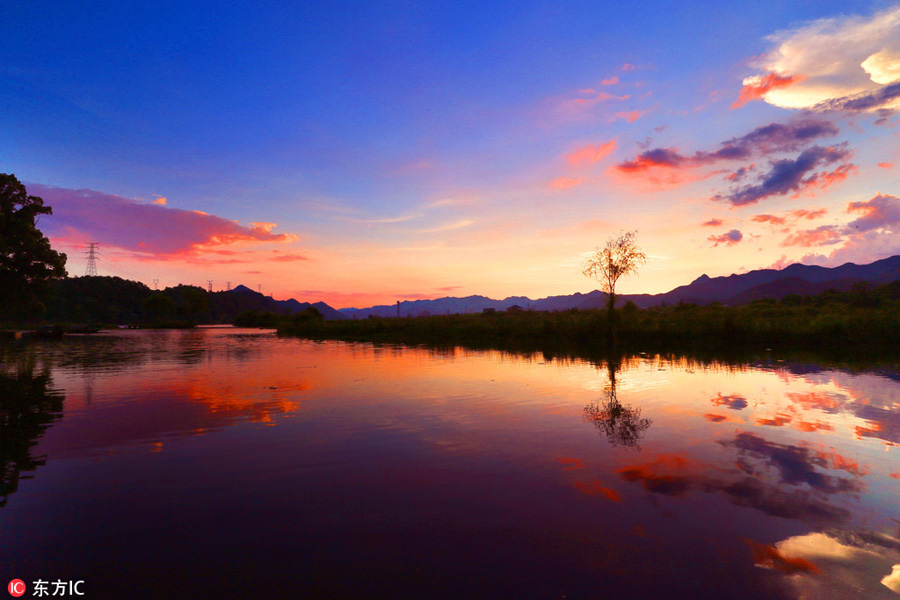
{"x": 792, "y": 216}
{"x": 631, "y": 116}
{"x": 611, "y": 81}
{"x": 881, "y": 211}
{"x": 658, "y": 157}
{"x": 729, "y": 239}
{"x": 146, "y": 228}
{"x": 821, "y": 236}
{"x": 886, "y": 165}
{"x": 628, "y": 67}
{"x": 781, "y": 263}
{"x": 591, "y": 154}
{"x": 757, "y": 87}
{"x": 867, "y": 238}
{"x": 861, "y": 248}
{"x": 584, "y": 101}
{"x": 564, "y": 183}
{"x": 713, "y": 223}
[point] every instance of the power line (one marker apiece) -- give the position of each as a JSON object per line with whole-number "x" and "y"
{"x": 92, "y": 254}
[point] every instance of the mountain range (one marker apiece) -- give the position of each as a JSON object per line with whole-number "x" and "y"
{"x": 260, "y": 302}
{"x": 807, "y": 280}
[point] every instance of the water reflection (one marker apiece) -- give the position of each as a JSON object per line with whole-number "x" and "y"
{"x": 28, "y": 406}
{"x": 836, "y": 564}
{"x": 622, "y": 424}
{"x": 472, "y": 472}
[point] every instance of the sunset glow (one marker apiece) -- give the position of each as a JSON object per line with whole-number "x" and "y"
{"x": 365, "y": 155}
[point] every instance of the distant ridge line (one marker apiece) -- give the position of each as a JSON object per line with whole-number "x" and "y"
{"x": 731, "y": 289}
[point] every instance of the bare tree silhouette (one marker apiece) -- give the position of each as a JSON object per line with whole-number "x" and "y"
{"x": 622, "y": 424}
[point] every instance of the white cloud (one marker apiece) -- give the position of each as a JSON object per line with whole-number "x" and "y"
{"x": 849, "y": 565}
{"x": 833, "y": 59}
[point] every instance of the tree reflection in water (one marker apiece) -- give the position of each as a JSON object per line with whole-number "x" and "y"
{"x": 622, "y": 425}
{"x": 28, "y": 406}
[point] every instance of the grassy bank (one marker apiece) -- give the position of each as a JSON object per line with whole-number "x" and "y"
{"x": 864, "y": 321}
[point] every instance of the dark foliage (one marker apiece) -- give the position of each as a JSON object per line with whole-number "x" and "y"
{"x": 862, "y": 318}
{"x": 27, "y": 262}
{"x": 28, "y": 406}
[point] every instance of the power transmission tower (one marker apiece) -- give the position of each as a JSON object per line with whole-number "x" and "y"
{"x": 92, "y": 254}
{"x": 209, "y": 283}
{"x": 228, "y": 285}
{"x": 155, "y": 284}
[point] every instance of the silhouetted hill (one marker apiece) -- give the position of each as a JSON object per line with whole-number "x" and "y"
{"x": 729, "y": 290}
{"x": 120, "y": 301}
{"x": 733, "y": 289}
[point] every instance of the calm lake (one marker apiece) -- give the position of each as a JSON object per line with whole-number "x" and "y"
{"x": 230, "y": 463}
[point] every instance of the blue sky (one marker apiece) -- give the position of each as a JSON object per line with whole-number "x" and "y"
{"x": 366, "y": 152}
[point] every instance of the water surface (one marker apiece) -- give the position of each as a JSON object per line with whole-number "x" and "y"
{"x": 232, "y": 463}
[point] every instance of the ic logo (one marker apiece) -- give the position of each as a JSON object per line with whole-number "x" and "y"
{"x": 16, "y": 588}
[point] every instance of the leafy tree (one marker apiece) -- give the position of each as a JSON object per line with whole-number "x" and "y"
{"x": 27, "y": 262}
{"x": 159, "y": 306}
{"x": 621, "y": 256}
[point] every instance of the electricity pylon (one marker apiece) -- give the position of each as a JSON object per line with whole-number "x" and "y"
{"x": 92, "y": 254}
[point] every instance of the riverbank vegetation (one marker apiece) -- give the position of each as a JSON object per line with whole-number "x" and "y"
{"x": 865, "y": 318}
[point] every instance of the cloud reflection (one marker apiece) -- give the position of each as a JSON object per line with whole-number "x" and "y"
{"x": 836, "y": 564}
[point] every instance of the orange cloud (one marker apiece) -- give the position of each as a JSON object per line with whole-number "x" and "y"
{"x": 756, "y": 87}
{"x": 812, "y": 427}
{"x": 611, "y": 81}
{"x": 288, "y": 257}
{"x": 886, "y": 165}
{"x": 573, "y": 463}
{"x": 595, "y": 488}
{"x": 808, "y": 214}
{"x": 768, "y": 219}
{"x": 828, "y": 178}
{"x": 777, "y": 421}
{"x": 770, "y": 558}
{"x": 591, "y": 154}
{"x": 815, "y": 400}
{"x": 842, "y": 463}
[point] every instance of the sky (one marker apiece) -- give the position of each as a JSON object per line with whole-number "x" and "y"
{"x": 360, "y": 153}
